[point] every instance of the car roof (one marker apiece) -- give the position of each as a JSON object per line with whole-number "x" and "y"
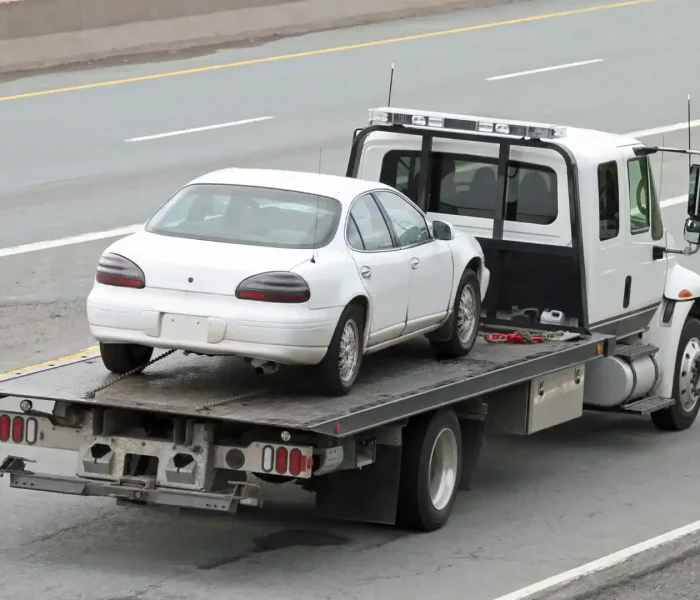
{"x": 335, "y": 186}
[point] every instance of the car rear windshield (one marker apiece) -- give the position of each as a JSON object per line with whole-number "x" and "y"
{"x": 254, "y": 216}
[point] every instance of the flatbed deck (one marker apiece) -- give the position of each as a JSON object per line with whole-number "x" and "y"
{"x": 394, "y": 384}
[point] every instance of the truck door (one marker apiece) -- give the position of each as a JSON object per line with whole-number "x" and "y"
{"x": 645, "y": 270}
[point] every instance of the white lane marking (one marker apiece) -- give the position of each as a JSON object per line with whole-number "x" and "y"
{"x": 69, "y": 241}
{"x": 158, "y": 136}
{"x": 673, "y": 201}
{"x": 663, "y": 129}
{"x": 546, "y": 69}
{"x": 606, "y": 562}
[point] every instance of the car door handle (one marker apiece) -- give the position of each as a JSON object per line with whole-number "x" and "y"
{"x": 366, "y": 272}
{"x": 414, "y": 263}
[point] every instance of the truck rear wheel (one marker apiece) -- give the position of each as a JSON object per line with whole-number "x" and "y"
{"x": 686, "y": 377}
{"x": 431, "y": 467}
{"x": 122, "y": 358}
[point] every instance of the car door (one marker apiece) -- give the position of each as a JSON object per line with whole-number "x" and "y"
{"x": 430, "y": 261}
{"x": 383, "y": 268}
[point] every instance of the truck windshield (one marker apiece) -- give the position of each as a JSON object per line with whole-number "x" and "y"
{"x": 252, "y": 216}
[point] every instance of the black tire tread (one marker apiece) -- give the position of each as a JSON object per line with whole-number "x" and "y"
{"x": 122, "y": 358}
{"x": 325, "y": 374}
{"x": 452, "y": 347}
{"x": 414, "y": 510}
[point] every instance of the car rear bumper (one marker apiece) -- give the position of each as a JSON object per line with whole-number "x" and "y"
{"x": 208, "y": 324}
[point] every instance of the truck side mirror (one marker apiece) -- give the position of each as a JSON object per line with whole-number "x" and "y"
{"x": 694, "y": 192}
{"x": 691, "y": 231}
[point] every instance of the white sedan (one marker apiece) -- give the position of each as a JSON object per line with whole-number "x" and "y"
{"x": 284, "y": 267}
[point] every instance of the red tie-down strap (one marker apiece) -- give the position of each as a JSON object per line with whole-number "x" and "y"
{"x": 522, "y": 337}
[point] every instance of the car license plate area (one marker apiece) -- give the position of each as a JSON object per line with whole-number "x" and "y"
{"x": 184, "y": 327}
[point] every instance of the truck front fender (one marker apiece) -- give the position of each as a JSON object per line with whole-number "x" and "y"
{"x": 681, "y": 279}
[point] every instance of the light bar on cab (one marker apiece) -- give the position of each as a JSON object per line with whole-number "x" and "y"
{"x": 467, "y": 123}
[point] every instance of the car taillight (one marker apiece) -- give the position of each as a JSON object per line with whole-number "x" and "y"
{"x": 113, "y": 269}
{"x": 278, "y": 286}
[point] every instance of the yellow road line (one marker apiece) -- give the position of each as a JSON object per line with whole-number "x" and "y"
{"x": 318, "y": 52}
{"x": 86, "y": 353}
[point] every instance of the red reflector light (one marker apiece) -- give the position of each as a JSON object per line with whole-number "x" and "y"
{"x": 17, "y": 430}
{"x": 281, "y": 460}
{"x": 295, "y": 457}
{"x": 4, "y": 428}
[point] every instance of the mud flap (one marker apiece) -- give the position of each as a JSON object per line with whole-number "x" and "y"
{"x": 369, "y": 494}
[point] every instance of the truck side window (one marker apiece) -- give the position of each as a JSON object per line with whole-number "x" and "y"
{"x": 645, "y": 212}
{"x": 467, "y": 185}
{"x": 608, "y": 201}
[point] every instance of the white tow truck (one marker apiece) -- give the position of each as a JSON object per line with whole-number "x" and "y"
{"x": 587, "y": 308}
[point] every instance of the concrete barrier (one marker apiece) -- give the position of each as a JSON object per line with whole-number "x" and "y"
{"x": 46, "y": 33}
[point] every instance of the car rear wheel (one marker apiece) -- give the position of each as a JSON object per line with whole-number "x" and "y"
{"x": 335, "y": 375}
{"x": 463, "y": 326}
{"x": 123, "y": 358}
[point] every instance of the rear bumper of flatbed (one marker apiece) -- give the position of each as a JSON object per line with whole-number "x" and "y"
{"x": 22, "y": 478}
{"x": 394, "y": 384}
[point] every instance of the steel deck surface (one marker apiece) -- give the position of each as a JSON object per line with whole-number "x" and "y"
{"x": 395, "y": 382}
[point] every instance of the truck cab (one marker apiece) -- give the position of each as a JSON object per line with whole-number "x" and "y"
{"x": 569, "y": 220}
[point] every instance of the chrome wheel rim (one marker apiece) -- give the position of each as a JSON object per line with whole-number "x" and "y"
{"x": 349, "y": 346}
{"x": 688, "y": 375}
{"x": 443, "y": 469}
{"x": 466, "y": 314}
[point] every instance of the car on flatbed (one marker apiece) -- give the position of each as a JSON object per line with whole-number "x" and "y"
{"x": 286, "y": 268}
{"x": 587, "y": 308}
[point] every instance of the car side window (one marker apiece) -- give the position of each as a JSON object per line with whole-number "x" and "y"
{"x": 371, "y": 226}
{"x": 409, "y": 225}
{"x": 354, "y": 237}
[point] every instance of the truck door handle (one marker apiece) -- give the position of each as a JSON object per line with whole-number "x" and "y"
{"x": 366, "y": 272}
{"x": 414, "y": 263}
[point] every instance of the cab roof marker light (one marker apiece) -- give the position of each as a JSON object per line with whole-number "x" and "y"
{"x": 468, "y": 123}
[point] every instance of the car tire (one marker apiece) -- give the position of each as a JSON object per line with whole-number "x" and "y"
{"x": 467, "y": 304}
{"x": 336, "y": 374}
{"x": 431, "y": 468}
{"x": 123, "y": 358}
{"x": 684, "y": 411}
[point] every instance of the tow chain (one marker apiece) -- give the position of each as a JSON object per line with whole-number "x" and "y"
{"x": 91, "y": 393}
{"x": 521, "y": 337}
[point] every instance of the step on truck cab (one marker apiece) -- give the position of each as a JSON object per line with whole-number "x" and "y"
{"x": 586, "y": 308}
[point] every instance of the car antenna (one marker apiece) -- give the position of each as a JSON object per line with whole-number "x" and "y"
{"x": 313, "y": 247}
{"x": 391, "y": 83}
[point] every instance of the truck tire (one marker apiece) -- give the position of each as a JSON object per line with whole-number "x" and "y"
{"x": 463, "y": 326}
{"x": 122, "y": 358}
{"x": 682, "y": 414}
{"x": 431, "y": 467}
{"x": 335, "y": 375}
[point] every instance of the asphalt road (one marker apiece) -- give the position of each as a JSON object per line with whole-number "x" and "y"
{"x": 541, "y": 505}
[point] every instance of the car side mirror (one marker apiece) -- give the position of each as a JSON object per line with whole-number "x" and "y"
{"x": 694, "y": 193}
{"x": 443, "y": 231}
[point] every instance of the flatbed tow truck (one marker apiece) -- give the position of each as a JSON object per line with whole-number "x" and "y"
{"x": 609, "y": 321}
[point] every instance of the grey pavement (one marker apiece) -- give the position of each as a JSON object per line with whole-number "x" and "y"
{"x": 541, "y": 505}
